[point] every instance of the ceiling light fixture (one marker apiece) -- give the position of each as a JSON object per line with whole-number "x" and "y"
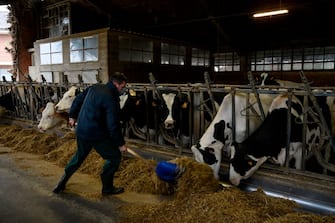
{"x": 270, "y": 13}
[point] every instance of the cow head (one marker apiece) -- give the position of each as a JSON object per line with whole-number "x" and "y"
{"x": 169, "y": 122}
{"x": 209, "y": 155}
{"x": 242, "y": 165}
{"x": 49, "y": 118}
{"x": 66, "y": 101}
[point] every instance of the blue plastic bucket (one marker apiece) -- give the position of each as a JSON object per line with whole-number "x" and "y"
{"x": 167, "y": 171}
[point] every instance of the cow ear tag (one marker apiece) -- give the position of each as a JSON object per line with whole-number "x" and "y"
{"x": 184, "y": 105}
{"x": 132, "y": 92}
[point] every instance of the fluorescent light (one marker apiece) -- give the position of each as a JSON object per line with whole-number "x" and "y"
{"x": 270, "y": 13}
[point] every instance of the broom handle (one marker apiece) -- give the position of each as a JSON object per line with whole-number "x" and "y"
{"x": 132, "y": 152}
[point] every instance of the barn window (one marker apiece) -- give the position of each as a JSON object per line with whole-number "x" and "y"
{"x": 51, "y": 53}
{"x": 47, "y": 75}
{"x": 226, "y": 62}
{"x": 317, "y": 58}
{"x": 84, "y": 49}
{"x": 55, "y": 20}
{"x": 297, "y": 59}
{"x": 173, "y": 54}
{"x": 135, "y": 50}
{"x": 5, "y": 75}
{"x": 329, "y": 59}
{"x": 200, "y": 57}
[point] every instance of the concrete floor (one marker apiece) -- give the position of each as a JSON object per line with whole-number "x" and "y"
{"x": 27, "y": 198}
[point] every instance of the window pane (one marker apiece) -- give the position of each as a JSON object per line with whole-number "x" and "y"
{"x": 174, "y": 49}
{"x": 329, "y": 65}
{"x": 91, "y": 55}
{"x": 276, "y": 67}
{"x": 56, "y": 46}
{"x": 259, "y": 68}
{"x": 330, "y": 57}
{"x": 181, "y": 60}
{"x": 286, "y": 67}
{"x": 206, "y": 63}
{"x": 44, "y": 48}
{"x": 76, "y": 56}
{"x": 173, "y": 59}
{"x": 124, "y": 55}
{"x": 297, "y": 66}
{"x": 194, "y": 61}
{"x": 147, "y": 57}
{"x": 91, "y": 42}
{"x": 45, "y": 59}
{"x": 165, "y": 59}
{"x": 57, "y": 58}
{"x": 182, "y": 50}
{"x": 47, "y": 76}
{"x": 136, "y": 56}
{"x": 165, "y": 48}
{"x": 308, "y": 66}
{"x": 318, "y": 66}
{"x": 76, "y": 44}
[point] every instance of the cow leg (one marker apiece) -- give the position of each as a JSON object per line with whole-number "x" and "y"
{"x": 296, "y": 153}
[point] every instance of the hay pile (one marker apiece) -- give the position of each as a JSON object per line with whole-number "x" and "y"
{"x": 196, "y": 195}
{"x": 229, "y": 206}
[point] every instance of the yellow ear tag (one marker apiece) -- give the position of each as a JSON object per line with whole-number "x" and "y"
{"x": 132, "y": 92}
{"x": 184, "y": 105}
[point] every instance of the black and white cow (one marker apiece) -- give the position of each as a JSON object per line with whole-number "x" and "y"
{"x": 6, "y": 102}
{"x": 270, "y": 139}
{"x": 173, "y": 114}
{"x": 219, "y": 134}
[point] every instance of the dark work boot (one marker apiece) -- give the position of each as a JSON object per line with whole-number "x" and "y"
{"x": 108, "y": 188}
{"x": 113, "y": 190}
{"x": 61, "y": 184}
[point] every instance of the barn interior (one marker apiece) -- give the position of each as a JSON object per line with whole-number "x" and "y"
{"x": 216, "y": 26}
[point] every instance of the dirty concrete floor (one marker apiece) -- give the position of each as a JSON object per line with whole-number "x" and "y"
{"x": 26, "y": 183}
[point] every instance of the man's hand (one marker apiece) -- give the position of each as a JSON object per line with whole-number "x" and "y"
{"x": 72, "y": 122}
{"x": 123, "y": 148}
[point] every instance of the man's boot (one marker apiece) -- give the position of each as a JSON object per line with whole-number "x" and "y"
{"x": 61, "y": 184}
{"x": 108, "y": 187}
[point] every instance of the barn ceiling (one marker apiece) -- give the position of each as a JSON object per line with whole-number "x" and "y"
{"x": 222, "y": 24}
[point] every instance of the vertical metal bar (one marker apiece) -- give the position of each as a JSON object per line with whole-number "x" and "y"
{"x": 252, "y": 83}
{"x": 248, "y": 115}
{"x": 198, "y": 114}
{"x": 233, "y": 114}
{"x": 209, "y": 90}
{"x": 288, "y": 128}
{"x": 304, "y": 131}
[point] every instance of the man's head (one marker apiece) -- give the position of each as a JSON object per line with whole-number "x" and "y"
{"x": 119, "y": 80}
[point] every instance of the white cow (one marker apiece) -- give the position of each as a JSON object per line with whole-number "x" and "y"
{"x": 219, "y": 134}
{"x": 53, "y": 115}
{"x": 50, "y": 118}
{"x": 65, "y": 102}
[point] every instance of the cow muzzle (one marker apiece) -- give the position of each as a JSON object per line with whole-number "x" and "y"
{"x": 169, "y": 124}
